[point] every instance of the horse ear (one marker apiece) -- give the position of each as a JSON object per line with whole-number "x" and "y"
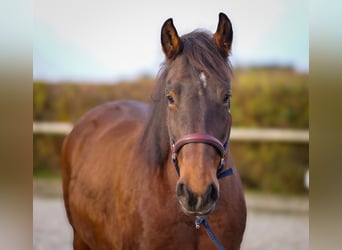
{"x": 223, "y": 36}
{"x": 170, "y": 40}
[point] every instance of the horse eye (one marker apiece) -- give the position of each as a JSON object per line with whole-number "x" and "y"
{"x": 170, "y": 99}
{"x": 226, "y": 99}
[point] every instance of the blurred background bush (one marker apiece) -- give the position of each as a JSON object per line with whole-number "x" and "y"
{"x": 263, "y": 97}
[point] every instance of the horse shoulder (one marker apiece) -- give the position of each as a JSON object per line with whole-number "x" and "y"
{"x": 94, "y": 156}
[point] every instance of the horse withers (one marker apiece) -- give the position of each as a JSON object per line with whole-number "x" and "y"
{"x": 135, "y": 176}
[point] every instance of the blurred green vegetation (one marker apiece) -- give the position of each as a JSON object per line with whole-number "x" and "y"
{"x": 271, "y": 166}
{"x": 270, "y": 97}
{"x": 68, "y": 101}
{"x": 262, "y": 97}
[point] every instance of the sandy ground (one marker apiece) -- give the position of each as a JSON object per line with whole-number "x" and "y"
{"x": 279, "y": 223}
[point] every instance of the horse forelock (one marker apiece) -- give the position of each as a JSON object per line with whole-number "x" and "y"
{"x": 202, "y": 56}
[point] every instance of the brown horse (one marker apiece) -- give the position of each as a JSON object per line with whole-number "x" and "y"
{"x": 121, "y": 189}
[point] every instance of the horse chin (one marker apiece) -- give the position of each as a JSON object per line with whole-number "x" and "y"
{"x": 203, "y": 212}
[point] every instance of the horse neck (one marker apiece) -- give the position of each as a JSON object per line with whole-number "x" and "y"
{"x": 161, "y": 176}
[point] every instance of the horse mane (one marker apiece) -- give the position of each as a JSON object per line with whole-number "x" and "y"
{"x": 202, "y": 55}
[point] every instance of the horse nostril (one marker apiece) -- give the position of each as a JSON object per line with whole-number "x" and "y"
{"x": 186, "y": 196}
{"x": 212, "y": 193}
{"x": 181, "y": 190}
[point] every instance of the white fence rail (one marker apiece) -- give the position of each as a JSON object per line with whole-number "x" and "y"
{"x": 237, "y": 134}
{"x": 270, "y": 134}
{"x": 62, "y": 128}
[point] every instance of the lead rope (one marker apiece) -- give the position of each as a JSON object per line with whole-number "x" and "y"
{"x": 203, "y": 220}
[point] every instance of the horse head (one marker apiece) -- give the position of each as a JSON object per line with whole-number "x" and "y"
{"x": 197, "y": 93}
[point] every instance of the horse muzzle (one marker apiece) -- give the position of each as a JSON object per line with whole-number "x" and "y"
{"x": 197, "y": 204}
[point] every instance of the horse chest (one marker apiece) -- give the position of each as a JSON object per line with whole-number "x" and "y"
{"x": 176, "y": 235}
{"x": 167, "y": 227}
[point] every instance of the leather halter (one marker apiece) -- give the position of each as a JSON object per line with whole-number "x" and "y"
{"x": 221, "y": 148}
{"x": 201, "y": 138}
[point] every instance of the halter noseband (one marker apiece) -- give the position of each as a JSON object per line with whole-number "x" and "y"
{"x": 202, "y": 138}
